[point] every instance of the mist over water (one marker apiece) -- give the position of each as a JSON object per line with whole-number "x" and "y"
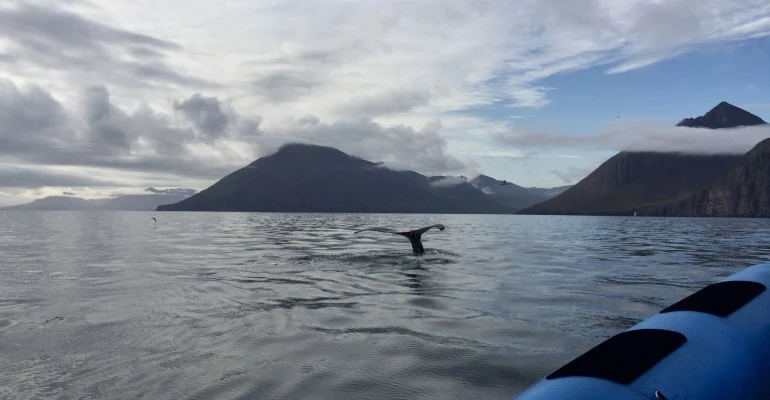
{"x": 294, "y": 306}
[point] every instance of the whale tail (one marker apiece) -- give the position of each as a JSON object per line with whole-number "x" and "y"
{"x": 414, "y": 236}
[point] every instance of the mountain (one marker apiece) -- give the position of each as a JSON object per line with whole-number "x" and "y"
{"x": 723, "y": 115}
{"x": 134, "y": 202}
{"x": 98, "y": 202}
{"x": 309, "y": 178}
{"x": 549, "y": 192}
{"x": 743, "y": 192}
{"x": 510, "y": 194}
{"x": 140, "y": 202}
{"x": 651, "y": 182}
{"x": 55, "y": 203}
{"x": 629, "y": 181}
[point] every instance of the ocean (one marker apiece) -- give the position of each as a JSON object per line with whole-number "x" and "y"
{"x": 113, "y": 305}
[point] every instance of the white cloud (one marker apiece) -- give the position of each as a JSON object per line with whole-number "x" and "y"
{"x": 194, "y": 83}
{"x": 193, "y": 139}
{"x": 644, "y": 137}
{"x": 300, "y": 57}
{"x": 447, "y": 181}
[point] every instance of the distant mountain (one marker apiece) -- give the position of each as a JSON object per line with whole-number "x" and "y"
{"x": 650, "y": 182}
{"x": 308, "y": 178}
{"x": 510, "y": 194}
{"x": 139, "y": 202}
{"x": 548, "y": 193}
{"x": 723, "y": 115}
{"x": 55, "y": 203}
{"x": 98, "y": 202}
{"x": 743, "y": 192}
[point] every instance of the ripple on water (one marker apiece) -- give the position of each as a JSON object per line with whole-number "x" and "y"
{"x": 231, "y": 306}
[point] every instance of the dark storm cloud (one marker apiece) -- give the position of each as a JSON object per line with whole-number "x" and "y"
{"x": 59, "y": 39}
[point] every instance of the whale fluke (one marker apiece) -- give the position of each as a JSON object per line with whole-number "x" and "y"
{"x": 414, "y": 236}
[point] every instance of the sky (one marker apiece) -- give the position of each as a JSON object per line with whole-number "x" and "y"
{"x": 98, "y": 98}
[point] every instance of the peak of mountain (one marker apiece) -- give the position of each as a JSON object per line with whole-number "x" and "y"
{"x": 309, "y": 178}
{"x": 314, "y": 154}
{"x": 723, "y": 115}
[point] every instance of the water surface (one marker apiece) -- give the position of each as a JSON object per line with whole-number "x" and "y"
{"x": 99, "y": 305}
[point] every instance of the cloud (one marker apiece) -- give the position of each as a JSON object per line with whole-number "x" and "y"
{"x": 35, "y": 129}
{"x": 30, "y": 118}
{"x": 397, "y": 146}
{"x": 284, "y": 86}
{"x": 104, "y": 86}
{"x": 487, "y": 190}
{"x": 52, "y": 37}
{"x": 334, "y": 59}
{"x": 38, "y": 177}
{"x": 668, "y": 29}
{"x": 176, "y": 191}
{"x": 206, "y": 114}
{"x": 67, "y": 194}
{"x": 103, "y": 120}
{"x": 390, "y": 102}
{"x": 644, "y": 137}
{"x": 570, "y": 174}
{"x": 448, "y": 181}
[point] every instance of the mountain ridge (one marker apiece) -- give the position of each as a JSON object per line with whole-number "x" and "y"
{"x": 511, "y": 194}
{"x": 131, "y": 202}
{"x": 744, "y": 192}
{"x": 649, "y": 182}
{"x": 310, "y": 178}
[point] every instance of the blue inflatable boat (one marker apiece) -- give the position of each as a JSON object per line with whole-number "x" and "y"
{"x": 713, "y": 344}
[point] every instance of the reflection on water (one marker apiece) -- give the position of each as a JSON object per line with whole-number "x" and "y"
{"x": 229, "y": 306}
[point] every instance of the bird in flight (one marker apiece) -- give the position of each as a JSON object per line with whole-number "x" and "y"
{"x": 414, "y": 236}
